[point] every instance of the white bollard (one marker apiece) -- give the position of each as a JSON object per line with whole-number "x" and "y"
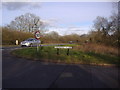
{"x": 16, "y": 42}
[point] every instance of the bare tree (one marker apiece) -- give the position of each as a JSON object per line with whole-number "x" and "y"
{"x": 101, "y": 24}
{"x": 108, "y": 29}
{"x": 115, "y": 18}
{"x": 27, "y": 23}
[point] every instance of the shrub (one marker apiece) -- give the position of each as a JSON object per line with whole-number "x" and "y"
{"x": 10, "y": 36}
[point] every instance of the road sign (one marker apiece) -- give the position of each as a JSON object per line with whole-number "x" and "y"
{"x": 66, "y": 47}
{"x": 37, "y": 35}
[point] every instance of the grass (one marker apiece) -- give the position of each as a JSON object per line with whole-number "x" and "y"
{"x": 49, "y": 53}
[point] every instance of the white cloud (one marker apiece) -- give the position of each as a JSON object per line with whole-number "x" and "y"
{"x": 51, "y": 22}
{"x": 71, "y": 30}
{"x": 78, "y": 30}
{"x": 19, "y": 5}
{"x": 17, "y": 0}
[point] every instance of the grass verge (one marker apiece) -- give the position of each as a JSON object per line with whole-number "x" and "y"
{"x": 49, "y": 53}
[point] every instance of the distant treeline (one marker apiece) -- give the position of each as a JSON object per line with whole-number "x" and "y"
{"x": 10, "y": 36}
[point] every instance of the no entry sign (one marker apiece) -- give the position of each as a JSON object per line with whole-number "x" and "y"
{"x": 37, "y": 35}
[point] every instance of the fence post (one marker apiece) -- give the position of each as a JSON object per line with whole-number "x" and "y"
{"x": 68, "y": 52}
{"x": 57, "y": 51}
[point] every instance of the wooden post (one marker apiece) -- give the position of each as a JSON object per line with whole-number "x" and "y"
{"x": 57, "y": 51}
{"x": 68, "y": 52}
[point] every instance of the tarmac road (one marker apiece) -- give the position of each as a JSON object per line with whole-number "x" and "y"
{"x": 23, "y": 73}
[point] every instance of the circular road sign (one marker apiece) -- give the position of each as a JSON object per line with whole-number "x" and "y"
{"x": 37, "y": 35}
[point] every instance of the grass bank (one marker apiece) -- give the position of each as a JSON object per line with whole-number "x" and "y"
{"x": 49, "y": 53}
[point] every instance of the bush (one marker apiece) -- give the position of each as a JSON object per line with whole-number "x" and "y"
{"x": 10, "y": 36}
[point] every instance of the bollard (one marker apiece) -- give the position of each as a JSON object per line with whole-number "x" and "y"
{"x": 16, "y": 42}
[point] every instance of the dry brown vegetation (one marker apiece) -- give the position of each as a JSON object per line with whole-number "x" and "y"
{"x": 10, "y": 36}
{"x": 98, "y": 48}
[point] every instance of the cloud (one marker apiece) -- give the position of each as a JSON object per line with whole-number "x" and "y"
{"x": 78, "y": 30}
{"x": 19, "y": 5}
{"x": 71, "y": 30}
{"x": 17, "y": 0}
{"x": 50, "y": 22}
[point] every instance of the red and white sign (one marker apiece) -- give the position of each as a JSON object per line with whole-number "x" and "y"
{"x": 37, "y": 35}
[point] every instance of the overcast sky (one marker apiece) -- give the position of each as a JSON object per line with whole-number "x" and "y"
{"x": 64, "y": 17}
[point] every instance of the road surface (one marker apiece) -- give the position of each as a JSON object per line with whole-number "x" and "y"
{"x": 23, "y": 73}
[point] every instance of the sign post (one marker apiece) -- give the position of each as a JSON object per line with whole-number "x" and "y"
{"x": 37, "y": 36}
{"x": 65, "y": 47}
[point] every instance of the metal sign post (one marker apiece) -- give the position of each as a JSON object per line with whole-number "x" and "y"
{"x": 37, "y": 36}
{"x": 37, "y": 47}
